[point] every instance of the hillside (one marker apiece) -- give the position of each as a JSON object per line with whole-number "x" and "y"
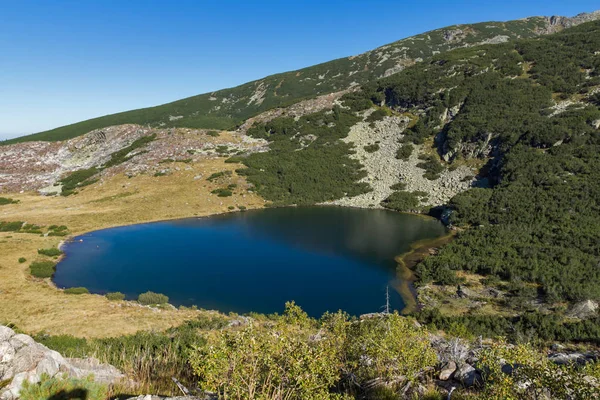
{"x": 226, "y": 108}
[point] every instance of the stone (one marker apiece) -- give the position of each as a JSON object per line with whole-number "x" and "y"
{"x": 5, "y": 333}
{"x": 468, "y": 376}
{"x": 447, "y": 370}
{"x": 23, "y": 359}
{"x": 584, "y": 309}
{"x": 21, "y": 340}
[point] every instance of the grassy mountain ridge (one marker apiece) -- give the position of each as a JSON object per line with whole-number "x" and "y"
{"x": 225, "y": 108}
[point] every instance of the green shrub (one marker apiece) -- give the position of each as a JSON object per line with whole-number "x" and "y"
{"x": 404, "y": 201}
{"x": 405, "y": 151}
{"x": 371, "y": 148}
{"x": 398, "y": 186}
{"x": 63, "y": 388}
{"x": 51, "y": 252}
{"x": 115, "y": 296}
{"x": 11, "y": 226}
{"x": 5, "y": 200}
{"x": 151, "y": 298}
{"x": 217, "y": 175}
{"x": 242, "y": 208}
{"x": 160, "y": 173}
{"x": 77, "y": 290}
{"x": 42, "y": 269}
{"x": 377, "y": 115}
{"x": 78, "y": 179}
{"x": 22, "y": 260}
{"x": 222, "y": 192}
{"x": 231, "y": 207}
{"x": 432, "y": 167}
{"x": 213, "y": 133}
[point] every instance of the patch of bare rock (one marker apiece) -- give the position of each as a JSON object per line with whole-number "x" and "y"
{"x": 23, "y": 359}
{"x": 384, "y": 169}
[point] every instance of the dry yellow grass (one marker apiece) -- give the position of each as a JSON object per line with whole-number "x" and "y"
{"x": 35, "y": 306}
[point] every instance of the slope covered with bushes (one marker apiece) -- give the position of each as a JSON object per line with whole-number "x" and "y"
{"x": 539, "y": 220}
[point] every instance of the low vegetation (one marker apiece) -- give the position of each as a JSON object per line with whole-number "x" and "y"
{"x": 115, "y": 296}
{"x": 539, "y": 220}
{"x": 77, "y": 290}
{"x": 5, "y": 200}
{"x": 222, "y": 192}
{"x": 51, "y": 252}
{"x": 292, "y": 173}
{"x": 42, "y": 269}
{"x": 63, "y": 388}
{"x": 151, "y": 298}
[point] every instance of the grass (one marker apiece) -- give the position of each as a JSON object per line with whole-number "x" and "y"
{"x": 77, "y": 290}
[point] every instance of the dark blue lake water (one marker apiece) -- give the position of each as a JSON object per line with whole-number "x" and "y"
{"x": 324, "y": 258}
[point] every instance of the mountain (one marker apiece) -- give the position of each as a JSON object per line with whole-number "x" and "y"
{"x": 226, "y": 108}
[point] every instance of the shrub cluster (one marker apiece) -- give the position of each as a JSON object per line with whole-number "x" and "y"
{"x": 151, "y": 298}
{"x": 42, "y": 269}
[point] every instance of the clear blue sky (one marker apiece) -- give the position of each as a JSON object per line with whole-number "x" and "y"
{"x": 66, "y": 61}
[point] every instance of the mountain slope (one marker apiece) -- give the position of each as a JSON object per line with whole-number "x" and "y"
{"x": 226, "y": 108}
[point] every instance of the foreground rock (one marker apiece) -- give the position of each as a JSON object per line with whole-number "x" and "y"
{"x": 23, "y": 359}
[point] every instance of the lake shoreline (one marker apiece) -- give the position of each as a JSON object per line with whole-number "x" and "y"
{"x": 407, "y": 261}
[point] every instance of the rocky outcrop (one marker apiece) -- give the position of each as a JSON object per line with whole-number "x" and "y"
{"x": 558, "y": 23}
{"x": 584, "y": 309}
{"x": 384, "y": 169}
{"x": 23, "y": 359}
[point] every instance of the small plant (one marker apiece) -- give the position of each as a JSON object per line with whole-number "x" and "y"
{"x": 405, "y": 151}
{"x": 213, "y": 133}
{"x": 242, "y": 208}
{"x": 222, "y": 192}
{"x": 398, "y": 186}
{"x": 5, "y": 200}
{"x": 55, "y": 230}
{"x": 115, "y": 296}
{"x": 51, "y": 252}
{"x": 63, "y": 388}
{"x": 22, "y": 260}
{"x": 151, "y": 298}
{"x": 160, "y": 173}
{"x": 42, "y": 269}
{"x": 77, "y": 290}
{"x": 11, "y": 226}
{"x": 371, "y": 148}
{"x": 217, "y": 175}
{"x": 231, "y": 208}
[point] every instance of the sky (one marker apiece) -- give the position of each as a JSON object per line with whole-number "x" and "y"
{"x": 67, "y": 61}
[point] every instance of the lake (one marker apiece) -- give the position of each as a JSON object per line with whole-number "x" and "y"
{"x": 323, "y": 258}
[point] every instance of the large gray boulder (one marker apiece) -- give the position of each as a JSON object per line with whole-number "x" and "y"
{"x": 23, "y": 359}
{"x": 468, "y": 376}
{"x": 584, "y": 309}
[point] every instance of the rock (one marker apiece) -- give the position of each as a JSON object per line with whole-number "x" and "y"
{"x": 584, "y": 309}
{"x": 468, "y": 376}
{"x": 563, "y": 358}
{"x": 447, "y": 370}
{"x": 23, "y": 359}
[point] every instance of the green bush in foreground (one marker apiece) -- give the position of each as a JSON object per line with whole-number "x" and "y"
{"x": 116, "y": 296}
{"x": 42, "y": 269}
{"x": 62, "y": 388}
{"x": 51, "y": 252}
{"x": 77, "y": 290}
{"x": 22, "y": 260}
{"x": 150, "y": 298}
